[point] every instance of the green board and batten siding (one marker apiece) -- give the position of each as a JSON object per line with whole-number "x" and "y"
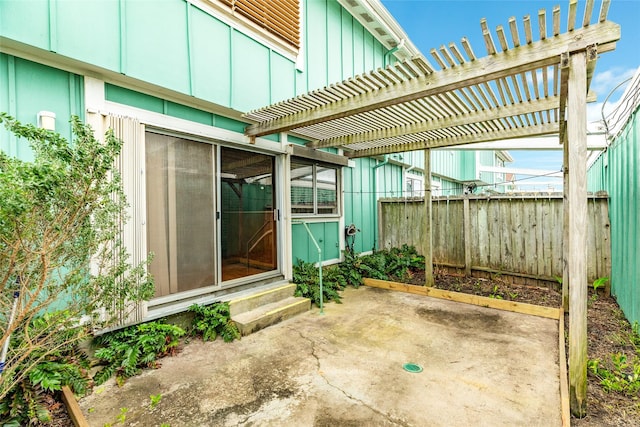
{"x": 180, "y": 49}
{"x": 28, "y": 88}
{"x": 617, "y": 171}
{"x": 198, "y": 54}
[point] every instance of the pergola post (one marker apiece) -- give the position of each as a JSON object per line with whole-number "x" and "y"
{"x": 565, "y": 224}
{"x": 426, "y": 243}
{"x": 577, "y": 231}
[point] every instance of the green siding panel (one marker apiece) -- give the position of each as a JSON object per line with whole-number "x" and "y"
{"x": 211, "y": 50}
{"x": 188, "y": 113}
{"x": 617, "y": 171}
{"x": 347, "y": 44}
{"x": 325, "y": 233}
{"x": 229, "y": 124}
{"x": 14, "y": 14}
{"x": 358, "y": 48}
{"x": 151, "y": 103}
{"x": 334, "y": 42}
{"x": 29, "y": 87}
{"x": 156, "y": 43}
{"x": 96, "y": 23}
{"x": 360, "y": 206}
{"x": 131, "y": 97}
{"x": 250, "y": 83}
{"x": 179, "y": 47}
{"x": 316, "y": 29}
{"x": 282, "y": 78}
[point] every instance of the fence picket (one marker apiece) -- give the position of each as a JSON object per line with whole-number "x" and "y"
{"x": 521, "y": 234}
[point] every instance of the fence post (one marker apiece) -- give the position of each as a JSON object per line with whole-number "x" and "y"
{"x": 565, "y": 225}
{"x": 467, "y": 235}
{"x": 427, "y": 249}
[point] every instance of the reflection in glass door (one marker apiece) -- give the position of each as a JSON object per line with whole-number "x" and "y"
{"x": 247, "y": 214}
{"x": 180, "y": 206}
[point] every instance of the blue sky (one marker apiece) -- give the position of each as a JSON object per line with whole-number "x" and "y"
{"x": 432, "y": 23}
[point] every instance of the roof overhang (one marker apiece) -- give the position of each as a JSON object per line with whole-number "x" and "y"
{"x": 382, "y": 25}
{"x": 518, "y": 90}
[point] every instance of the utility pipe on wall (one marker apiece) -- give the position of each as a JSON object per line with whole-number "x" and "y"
{"x": 313, "y": 239}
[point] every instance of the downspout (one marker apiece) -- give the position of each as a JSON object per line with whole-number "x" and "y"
{"x": 375, "y": 198}
{"x": 385, "y": 60}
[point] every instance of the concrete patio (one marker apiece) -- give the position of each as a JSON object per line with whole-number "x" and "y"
{"x": 482, "y": 367}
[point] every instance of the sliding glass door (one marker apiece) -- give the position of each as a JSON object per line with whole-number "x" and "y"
{"x": 180, "y": 206}
{"x": 205, "y": 228}
{"x": 247, "y": 214}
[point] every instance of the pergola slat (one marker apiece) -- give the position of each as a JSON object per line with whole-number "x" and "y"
{"x": 456, "y": 140}
{"x": 409, "y": 101}
{"x": 480, "y": 116}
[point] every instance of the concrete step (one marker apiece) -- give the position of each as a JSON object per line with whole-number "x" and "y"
{"x": 270, "y": 314}
{"x": 255, "y": 300}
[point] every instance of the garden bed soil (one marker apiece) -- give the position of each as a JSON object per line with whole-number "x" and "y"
{"x": 607, "y": 328}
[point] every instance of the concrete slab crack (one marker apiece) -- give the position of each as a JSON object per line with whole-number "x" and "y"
{"x": 388, "y": 417}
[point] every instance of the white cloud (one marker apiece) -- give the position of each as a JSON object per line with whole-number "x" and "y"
{"x": 603, "y": 84}
{"x": 605, "y": 81}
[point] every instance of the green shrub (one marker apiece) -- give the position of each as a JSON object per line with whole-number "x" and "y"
{"x": 209, "y": 321}
{"x": 26, "y": 403}
{"x": 125, "y": 352}
{"x": 350, "y": 269}
{"x": 620, "y": 374}
{"x": 59, "y": 209}
{"x": 306, "y": 278}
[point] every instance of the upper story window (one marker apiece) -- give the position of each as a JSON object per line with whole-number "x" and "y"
{"x": 278, "y": 17}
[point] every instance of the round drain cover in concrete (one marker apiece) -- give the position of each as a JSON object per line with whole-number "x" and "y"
{"x": 412, "y": 367}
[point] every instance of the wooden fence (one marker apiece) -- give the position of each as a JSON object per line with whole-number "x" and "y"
{"x": 518, "y": 235}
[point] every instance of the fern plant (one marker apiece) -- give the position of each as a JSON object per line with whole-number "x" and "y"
{"x": 306, "y": 277}
{"x": 125, "y": 352}
{"x": 27, "y": 401}
{"x": 212, "y": 320}
{"x": 350, "y": 269}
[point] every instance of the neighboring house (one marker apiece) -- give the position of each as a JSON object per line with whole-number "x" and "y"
{"x": 617, "y": 171}
{"x": 220, "y": 211}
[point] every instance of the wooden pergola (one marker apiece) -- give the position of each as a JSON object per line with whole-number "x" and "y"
{"x": 521, "y": 88}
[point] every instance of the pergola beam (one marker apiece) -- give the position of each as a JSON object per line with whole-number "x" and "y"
{"x": 497, "y": 113}
{"x": 514, "y": 61}
{"x": 541, "y": 129}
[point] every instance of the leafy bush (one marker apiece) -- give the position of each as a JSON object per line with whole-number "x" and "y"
{"x": 350, "y": 269}
{"x": 60, "y": 246}
{"x": 212, "y": 320}
{"x": 305, "y": 275}
{"x": 125, "y": 352}
{"x": 27, "y": 402}
{"x": 374, "y": 265}
{"x": 620, "y": 374}
{"x": 400, "y": 261}
{"x": 395, "y": 263}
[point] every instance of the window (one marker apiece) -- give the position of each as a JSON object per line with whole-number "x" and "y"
{"x": 281, "y": 17}
{"x": 414, "y": 186}
{"x": 314, "y": 189}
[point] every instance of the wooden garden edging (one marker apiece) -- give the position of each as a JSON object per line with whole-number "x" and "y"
{"x": 75, "y": 413}
{"x": 517, "y": 307}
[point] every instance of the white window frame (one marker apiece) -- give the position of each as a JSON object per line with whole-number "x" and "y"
{"x": 315, "y": 214}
